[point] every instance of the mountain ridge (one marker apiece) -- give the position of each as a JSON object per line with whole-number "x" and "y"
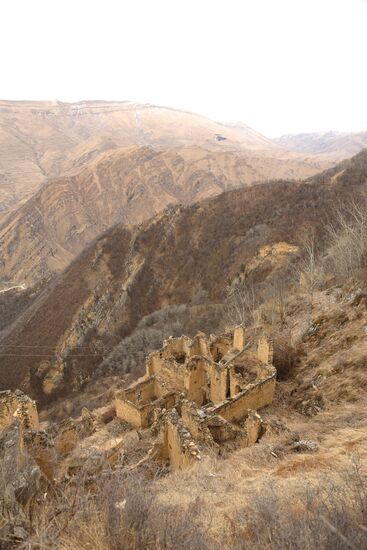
{"x": 41, "y": 140}
{"x": 330, "y": 143}
{"x": 127, "y": 184}
{"x": 128, "y": 273}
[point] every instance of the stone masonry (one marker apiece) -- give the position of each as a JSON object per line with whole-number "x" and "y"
{"x": 201, "y": 392}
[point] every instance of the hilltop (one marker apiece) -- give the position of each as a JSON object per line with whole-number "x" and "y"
{"x": 42, "y": 140}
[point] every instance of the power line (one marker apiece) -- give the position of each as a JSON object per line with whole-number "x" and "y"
{"x": 24, "y": 346}
{"x": 39, "y": 355}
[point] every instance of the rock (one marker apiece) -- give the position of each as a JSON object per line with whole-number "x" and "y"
{"x": 305, "y": 446}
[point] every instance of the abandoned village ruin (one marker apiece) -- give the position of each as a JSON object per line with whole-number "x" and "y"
{"x": 201, "y": 392}
{"x": 197, "y": 394}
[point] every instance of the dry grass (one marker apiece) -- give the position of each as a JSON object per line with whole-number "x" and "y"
{"x": 328, "y": 511}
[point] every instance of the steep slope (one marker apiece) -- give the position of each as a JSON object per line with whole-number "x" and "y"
{"x": 129, "y": 185}
{"x": 127, "y": 274}
{"x": 40, "y": 140}
{"x": 337, "y": 145}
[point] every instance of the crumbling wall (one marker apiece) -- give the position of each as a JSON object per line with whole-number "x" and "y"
{"x": 127, "y": 411}
{"x": 246, "y": 372}
{"x": 254, "y": 428}
{"x": 153, "y": 363}
{"x": 219, "y": 383}
{"x": 253, "y": 397}
{"x": 199, "y": 346}
{"x": 195, "y": 419}
{"x": 221, "y": 430}
{"x": 236, "y": 382}
{"x": 177, "y": 348}
{"x": 173, "y": 374}
{"x": 177, "y": 443}
{"x": 265, "y": 350}
{"x": 197, "y": 379}
{"x": 141, "y": 416}
{"x": 142, "y": 391}
{"x": 219, "y": 346}
{"x": 239, "y": 338}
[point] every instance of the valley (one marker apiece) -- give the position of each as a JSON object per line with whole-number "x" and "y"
{"x": 182, "y": 342}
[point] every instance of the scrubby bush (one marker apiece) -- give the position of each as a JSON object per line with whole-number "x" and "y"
{"x": 129, "y": 354}
{"x": 330, "y": 515}
{"x": 347, "y": 254}
{"x": 130, "y": 510}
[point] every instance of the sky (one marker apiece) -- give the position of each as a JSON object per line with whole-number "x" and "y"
{"x": 280, "y": 66}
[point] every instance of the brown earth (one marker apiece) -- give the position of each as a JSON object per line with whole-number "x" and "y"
{"x": 40, "y": 140}
{"x": 127, "y": 274}
{"x": 126, "y": 185}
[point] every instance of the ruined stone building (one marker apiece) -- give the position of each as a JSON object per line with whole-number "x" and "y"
{"x": 201, "y": 392}
{"x": 196, "y": 394}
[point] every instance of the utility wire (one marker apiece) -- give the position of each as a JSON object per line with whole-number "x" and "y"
{"x": 44, "y": 355}
{"x": 48, "y": 347}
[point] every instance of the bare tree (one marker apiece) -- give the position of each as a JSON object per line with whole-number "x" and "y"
{"x": 242, "y": 302}
{"x": 279, "y": 299}
{"x": 309, "y": 268}
{"x": 348, "y": 237}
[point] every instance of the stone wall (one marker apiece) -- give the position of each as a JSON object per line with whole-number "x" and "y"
{"x": 195, "y": 419}
{"x": 253, "y": 397}
{"x": 141, "y": 416}
{"x": 177, "y": 443}
{"x": 265, "y": 350}
{"x": 197, "y": 379}
{"x": 199, "y": 346}
{"x": 239, "y": 338}
{"x": 219, "y": 346}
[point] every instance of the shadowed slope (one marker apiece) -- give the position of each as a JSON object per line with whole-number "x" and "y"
{"x": 127, "y": 274}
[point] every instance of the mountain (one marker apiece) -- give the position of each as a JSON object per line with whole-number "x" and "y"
{"x": 337, "y": 145}
{"x": 128, "y": 273}
{"x": 40, "y": 140}
{"x": 130, "y": 185}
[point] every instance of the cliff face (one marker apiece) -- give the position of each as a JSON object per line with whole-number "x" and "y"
{"x": 128, "y": 273}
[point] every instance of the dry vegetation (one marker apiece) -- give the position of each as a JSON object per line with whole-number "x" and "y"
{"x": 304, "y": 485}
{"x": 282, "y": 493}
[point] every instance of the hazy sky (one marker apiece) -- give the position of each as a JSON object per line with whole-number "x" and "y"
{"x": 280, "y": 66}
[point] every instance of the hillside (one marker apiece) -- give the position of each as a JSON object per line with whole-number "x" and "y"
{"x": 127, "y": 274}
{"x": 248, "y": 436}
{"x": 127, "y": 185}
{"x": 41, "y": 140}
{"x": 337, "y": 145}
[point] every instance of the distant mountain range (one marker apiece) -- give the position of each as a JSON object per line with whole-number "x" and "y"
{"x": 70, "y": 171}
{"x": 337, "y": 145}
